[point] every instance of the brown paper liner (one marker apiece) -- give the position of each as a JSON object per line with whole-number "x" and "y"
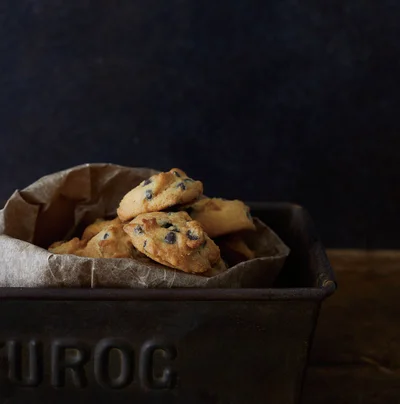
{"x": 60, "y": 205}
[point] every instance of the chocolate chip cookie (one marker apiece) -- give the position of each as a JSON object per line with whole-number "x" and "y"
{"x": 111, "y": 242}
{"x": 234, "y": 249}
{"x": 217, "y": 269}
{"x": 96, "y": 227}
{"x": 159, "y": 192}
{"x": 173, "y": 239}
{"x": 219, "y": 216}
{"x": 67, "y": 247}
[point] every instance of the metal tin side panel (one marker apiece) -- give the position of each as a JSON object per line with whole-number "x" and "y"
{"x": 154, "y": 351}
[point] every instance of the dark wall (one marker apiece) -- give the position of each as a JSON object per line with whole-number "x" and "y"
{"x": 263, "y": 100}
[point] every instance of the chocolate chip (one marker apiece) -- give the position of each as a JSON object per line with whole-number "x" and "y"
{"x": 106, "y": 235}
{"x": 138, "y": 230}
{"x": 181, "y": 185}
{"x": 170, "y": 226}
{"x": 192, "y": 236}
{"x": 147, "y": 182}
{"x": 170, "y": 238}
{"x": 145, "y": 243}
{"x": 177, "y": 174}
{"x": 149, "y": 194}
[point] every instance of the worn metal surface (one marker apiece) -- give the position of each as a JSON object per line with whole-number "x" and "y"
{"x": 169, "y": 346}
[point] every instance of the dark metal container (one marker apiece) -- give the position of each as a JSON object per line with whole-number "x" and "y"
{"x": 169, "y": 346}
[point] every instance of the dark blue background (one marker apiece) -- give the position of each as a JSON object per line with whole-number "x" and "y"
{"x": 263, "y": 100}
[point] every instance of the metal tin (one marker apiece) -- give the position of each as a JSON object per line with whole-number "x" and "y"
{"x": 169, "y": 346}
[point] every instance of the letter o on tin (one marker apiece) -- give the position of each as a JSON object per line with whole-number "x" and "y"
{"x": 102, "y": 363}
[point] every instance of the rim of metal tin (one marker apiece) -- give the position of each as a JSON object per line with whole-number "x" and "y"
{"x": 318, "y": 293}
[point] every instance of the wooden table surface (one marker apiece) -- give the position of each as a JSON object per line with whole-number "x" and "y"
{"x": 355, "y": 357}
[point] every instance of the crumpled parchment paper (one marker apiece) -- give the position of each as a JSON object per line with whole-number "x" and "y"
{"x": 61, "y": 205}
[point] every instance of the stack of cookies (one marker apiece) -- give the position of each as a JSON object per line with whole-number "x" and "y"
{"x": 166, "y": 218}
